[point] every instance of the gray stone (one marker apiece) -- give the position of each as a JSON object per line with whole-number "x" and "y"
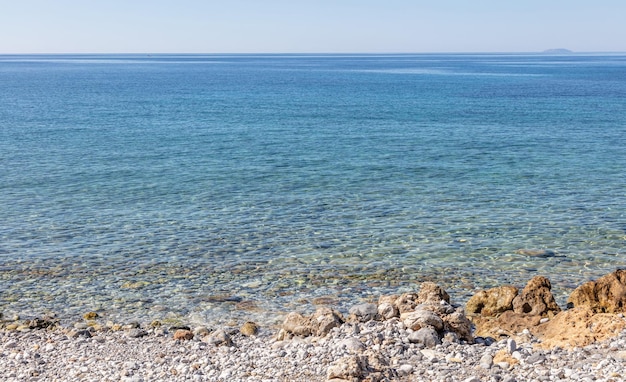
{"x": 486, "y": 361}
{"x": 511, "y": 346}
{"x": 364, "y": 312}
{"x": 387, "y": 310}
{"x": 137, "y": 333}
{"x": 352, "y": 344}
{"x": 535, "y": 358}
{"x": 425, "y": 336}
{"x": 422, "y": 318}
{"x": 219, "y": 338}
{"x": 405, "y": 369}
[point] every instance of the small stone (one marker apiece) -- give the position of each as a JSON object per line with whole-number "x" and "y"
{"x": 80, "y": 325}
{"x": 511, "y": 346}
{"x": 79, "y": 333}
{"x": 352, "y": 344}
{"x": 486, "y": 361}
{"x": 472, "y": 379}
{"x": 201, "y": 331}
{"x": 348, "y": 368}
{"x": 249, "y": 329}
{"x": 219, "y": 338}
{"x": 137, "y": 333}
{"x": 405, "y": 369}
{"x": 131, "y": 325}
{"x": 429, "y": 355}
{"x": 90, "y": 316}
{"x": 10, "y": 344}
{"x": 535, "y": 358}
{"x": 183, "y": 334}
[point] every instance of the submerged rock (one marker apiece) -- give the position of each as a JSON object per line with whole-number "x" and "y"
{"x": 536, "y": 252}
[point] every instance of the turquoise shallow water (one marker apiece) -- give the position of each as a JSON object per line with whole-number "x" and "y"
{"x": 210, "y": 187}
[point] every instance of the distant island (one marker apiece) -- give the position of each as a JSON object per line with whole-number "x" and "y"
{"x": 557, "y": 51}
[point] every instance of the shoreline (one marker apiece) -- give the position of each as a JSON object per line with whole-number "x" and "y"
{"x": 218, "y": 307}
{"x": 419, "y": 336}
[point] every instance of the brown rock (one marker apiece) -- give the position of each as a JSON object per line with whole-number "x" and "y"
{"x": 406, "y": 302}
{"x": 319, "y": 324}
{"x": 249, "y": 329}
{"x": 502, "y": 356}
{"x": 324, "y": 319}
{"x": 508, "y": 324}
{"x": 606, "y": 295}
{"x": 458, "y": 323}
{"x": 350, "y": 368}
{"x": 579, "y": 327}
{"x": 431, "y": 293}
{"x": 297, "y": 324}
{"x": 183, "y": 334}
{"x": 90, "y": 316}
{"x": 536, "y": 299}
{"x": 391, "y": 299}
{"x": 492, "y": 302}
{"x": 368, "y": 367}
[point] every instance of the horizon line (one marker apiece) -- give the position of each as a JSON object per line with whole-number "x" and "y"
{"x": 547, "y": 51}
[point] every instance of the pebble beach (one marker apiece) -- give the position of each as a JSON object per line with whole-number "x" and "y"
{"x": 154, "y": 355}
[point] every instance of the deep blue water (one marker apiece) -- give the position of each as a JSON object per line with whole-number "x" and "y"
{"x": 205, "y": 185}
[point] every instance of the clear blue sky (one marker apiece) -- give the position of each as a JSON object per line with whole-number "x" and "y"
{"x": 291, "y": 26}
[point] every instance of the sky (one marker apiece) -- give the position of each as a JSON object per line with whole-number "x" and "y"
{"x": 310, "y": 26}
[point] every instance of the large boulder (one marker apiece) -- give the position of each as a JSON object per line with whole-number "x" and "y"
{"x": 579, "y": 327}
{"x": 536, "y": 299}
{"x": 503, "y": 311}
{"x": 605, "y": 295}
{"x": 492, "y": 302}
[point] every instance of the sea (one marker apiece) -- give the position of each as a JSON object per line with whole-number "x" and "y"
{"x": 218, "y": 188}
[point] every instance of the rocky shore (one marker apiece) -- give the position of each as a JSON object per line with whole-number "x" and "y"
{"x": 501, "y": 334}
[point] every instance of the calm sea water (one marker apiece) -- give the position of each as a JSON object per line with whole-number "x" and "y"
{"x": 211, "y": 187}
